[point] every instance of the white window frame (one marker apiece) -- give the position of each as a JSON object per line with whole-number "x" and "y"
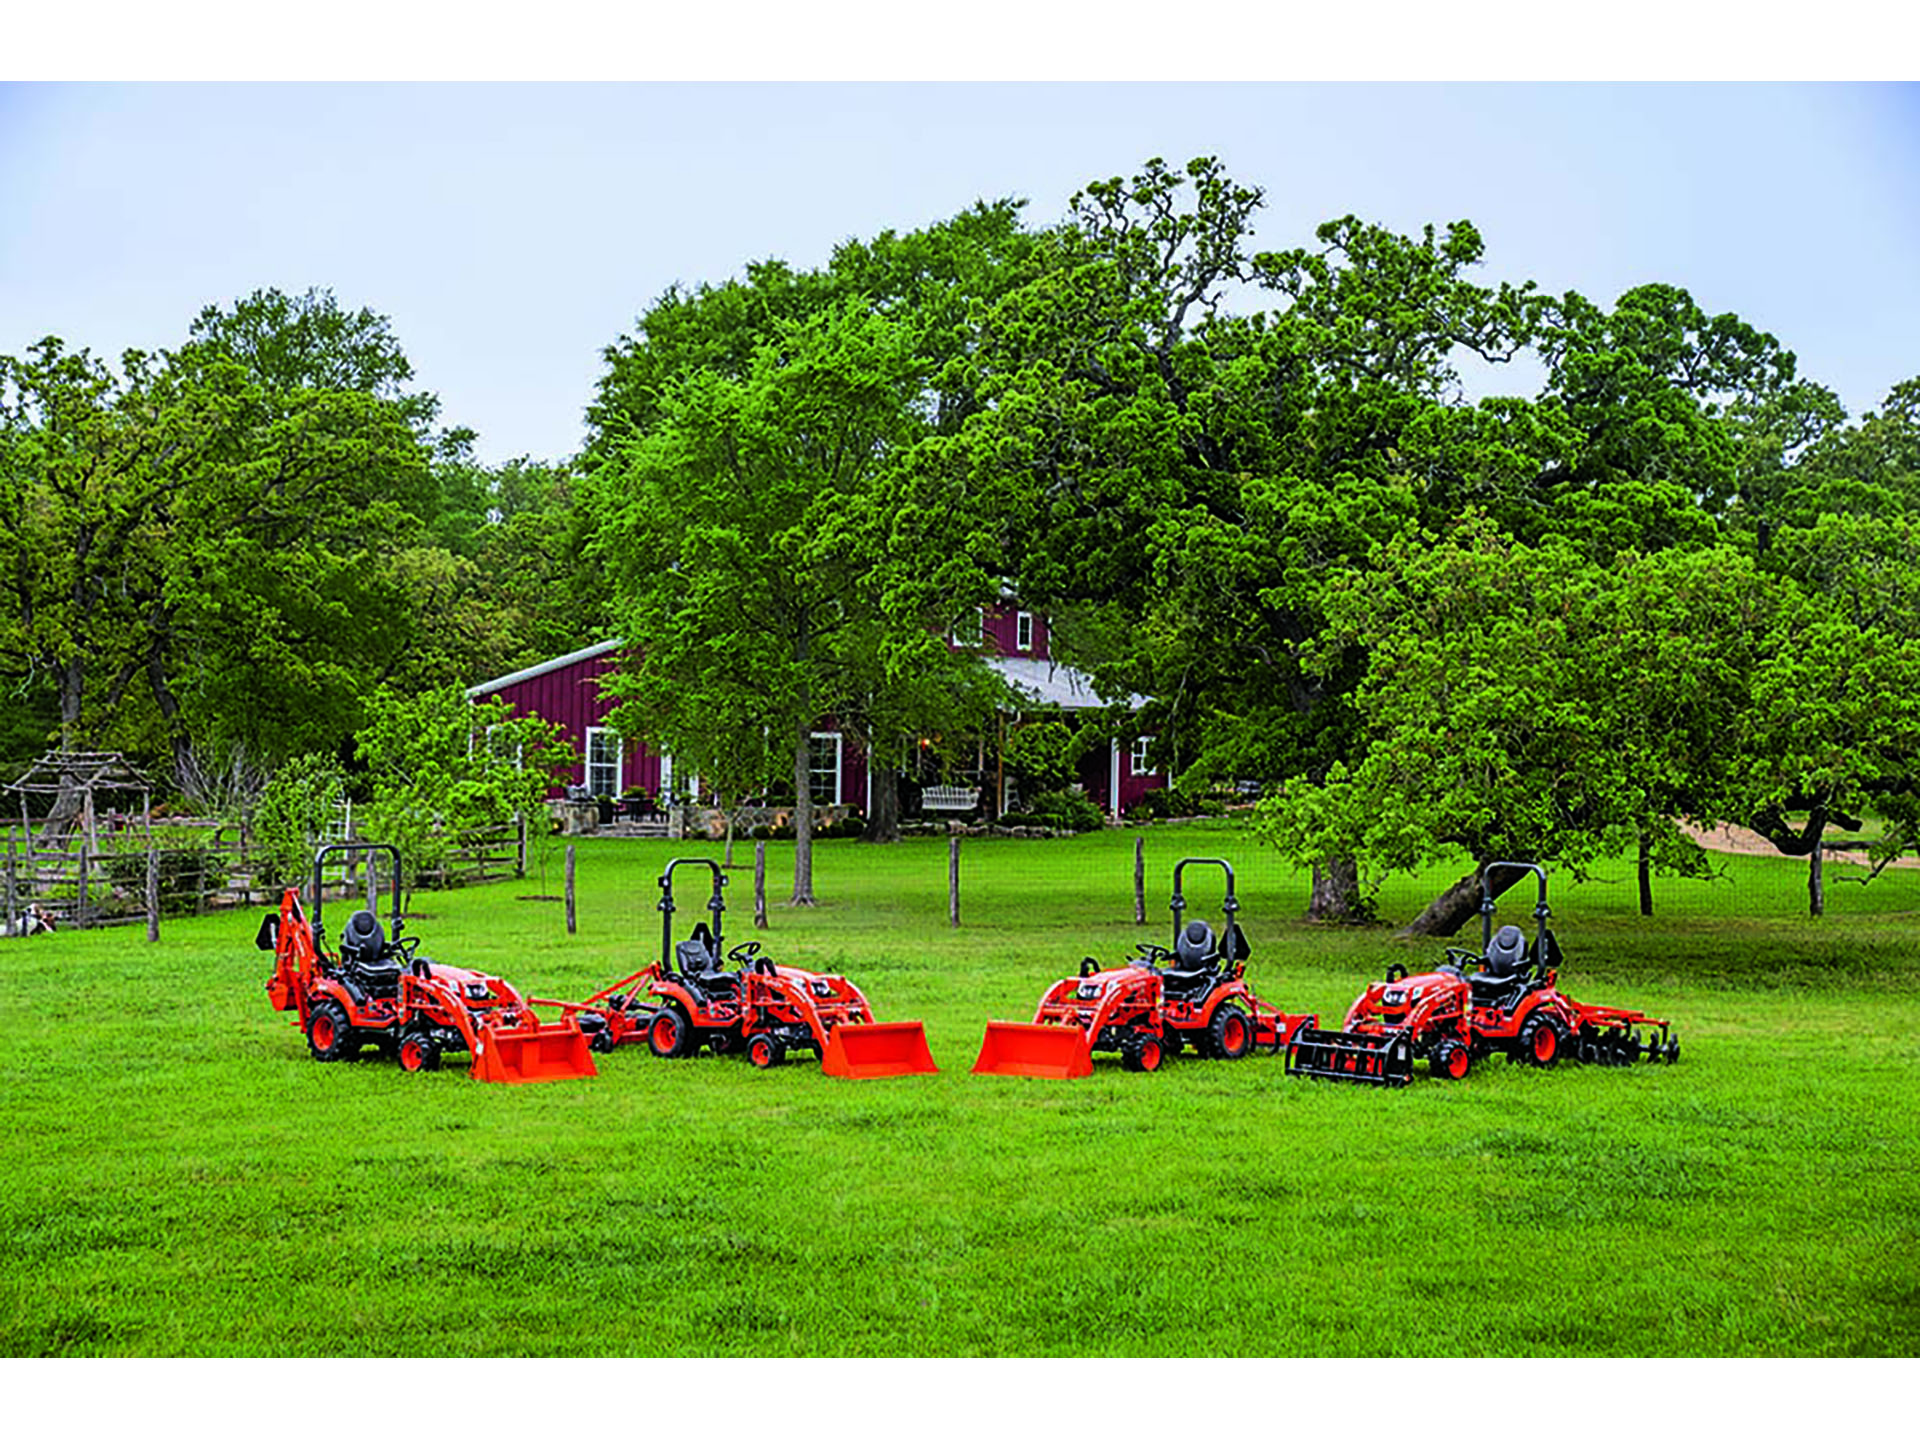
{"x": 1023, "y": 630}
{"x": 839, "y": 765}
{"x": 1137, "y": 756}
{"x": 975, "y": 628}
{"x": 594, "y": 733}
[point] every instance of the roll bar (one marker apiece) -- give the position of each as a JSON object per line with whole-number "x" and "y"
{"x": 1229, "y": 907}
{"x": 351, "y": 848}
{"x": 714, "y": 904}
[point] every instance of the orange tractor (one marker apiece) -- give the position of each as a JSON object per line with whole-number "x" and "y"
{"x": 381, "y": 991}
{"x": 1457, "y": 1014}
{"x": 689, "y": 999}
{"x": 1149, "y": 1007}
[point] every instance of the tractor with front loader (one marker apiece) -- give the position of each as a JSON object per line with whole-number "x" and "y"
{"x": 1504, "y": 999}
{"x": 376, "y": 988}
{"x": 1150, "y": 1006}
{"x": 689, "y": 1000}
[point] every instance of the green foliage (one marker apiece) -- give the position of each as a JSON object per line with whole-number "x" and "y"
{"x": 440, "y": 765}
{"x": 186, "y": 873}
{"x": 299, "y": 803}
{"x": 1066, "y": 809}
{"x": 1042, "y": 754}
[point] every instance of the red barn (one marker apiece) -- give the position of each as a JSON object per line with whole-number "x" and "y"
{"x": 566, "y": 691}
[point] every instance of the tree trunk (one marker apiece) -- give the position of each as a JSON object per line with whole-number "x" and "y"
{"x": 726, "y": 819}
{"x": 803, "y": 815}
{"x": 1646, "y": 874}
{"x": 1336, "y": 892}
{"x": 883, "y": 822}
{"x": 1456, "y": 905}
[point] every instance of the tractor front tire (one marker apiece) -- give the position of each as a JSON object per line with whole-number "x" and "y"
{"x": 1230, "y": 1034}
{"x": 419, "y": 1053}
{"x": 1450, "y": 1060}
{"x": 764, "y": 1052}
{"x": 670, "y": 1036}
{"x": 1142, "y": 1053}
{"x": 329, "y": 1035}
{"x": 1541, "y": 1041}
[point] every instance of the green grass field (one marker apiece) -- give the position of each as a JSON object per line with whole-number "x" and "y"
{"x": 178, "y": 1178}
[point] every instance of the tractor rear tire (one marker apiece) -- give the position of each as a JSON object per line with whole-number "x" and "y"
{"x": 670, "y": 1036}
{"x": 1542, "y": 1039}
{"x": 1450, "y": 1060}
{"x": 1230, "y": 1034}
{"x": 329, "y": 1035}
{"x": 419, "y": 1053}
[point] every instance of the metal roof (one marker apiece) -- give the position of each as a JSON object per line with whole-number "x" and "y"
{"x": 545, "y": 667}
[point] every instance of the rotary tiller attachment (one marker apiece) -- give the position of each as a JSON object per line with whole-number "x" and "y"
{"x": 542, "y": 1052}
{"x": 1050, "y": 1052}
{"x": 866, "y": 1052}
{"x": 1359, "y": 1057}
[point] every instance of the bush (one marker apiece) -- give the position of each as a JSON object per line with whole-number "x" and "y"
{"x": 1059, "y": 810}
{"x": 185, "y": 875}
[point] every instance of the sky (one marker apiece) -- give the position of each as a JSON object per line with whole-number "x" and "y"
{"x": 510, "y": 232}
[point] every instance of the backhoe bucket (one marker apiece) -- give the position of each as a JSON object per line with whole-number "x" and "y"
{"x": 521, "y": 1057}
{"x": 1344, "y": 1055}
{"x": 866, "y": 1052}
{"x": 1051, "y": 1052}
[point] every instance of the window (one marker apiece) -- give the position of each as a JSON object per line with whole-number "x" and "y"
{"x": 971, "y": 629}
{"x": 1023, "y": 631}
{"x": 603, "y": 762}
{"x": 824, "y": 764}
{"x": 1137, "y": 762}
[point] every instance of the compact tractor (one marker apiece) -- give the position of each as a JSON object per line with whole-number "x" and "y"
{"x": 689, "y": 999}
{"x": 382, "y": 991}
{"x": 1150, "y": 1006}
{"x": 1505, "y": 999}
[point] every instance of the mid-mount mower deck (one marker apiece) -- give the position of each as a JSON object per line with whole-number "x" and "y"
{"x": 1148, "y": 1007}
{"x": 1456, "y": 1014}
{"x": 689, "y": 999}
{"x": 383, "y": 992}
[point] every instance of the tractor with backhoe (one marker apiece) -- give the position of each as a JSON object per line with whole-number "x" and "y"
{"x": 377, "y": 988}
{"x": 1149, "y": 1007}
{"x": 689, "y": 1000}
{"x": 1504, "y": 999}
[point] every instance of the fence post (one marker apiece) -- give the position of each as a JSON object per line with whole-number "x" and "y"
{"x": 953, "y": 882}
{"x": 153, "y": 893}
{"x": 1139, "y": 879}
{"x": 12, "y": 893}
{"x": 81, "y": 910}
{"x": 759, "y": 884}
{"x": 570, "y": 916}
{"x": 520, "y": 850}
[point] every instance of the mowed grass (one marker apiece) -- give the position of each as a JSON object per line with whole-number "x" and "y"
{"x": 177, "y": 1177}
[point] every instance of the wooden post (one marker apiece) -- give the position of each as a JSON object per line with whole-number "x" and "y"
{"x": 153, "y": 893}
{"x": 759, "y": 884}
{"x": 953, "y": 882}
{"x": 1139, "y": 879}
{"x": 80, "y": 910}
{"x": 520, "y": 857}
{"x": 13, "y": 895}
{"x": 570, "y": 913}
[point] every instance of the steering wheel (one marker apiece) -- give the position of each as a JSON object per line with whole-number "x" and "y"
{"x": 742, "y": 955}
{"x": 1152, "y": 955}
{"x": 1461, "y": 959}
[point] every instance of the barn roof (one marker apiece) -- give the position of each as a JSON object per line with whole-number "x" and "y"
{"x": 545, "y": 667}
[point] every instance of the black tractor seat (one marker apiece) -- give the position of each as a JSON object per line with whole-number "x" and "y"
{"x": 1507, "y": 970}
{"x": 1198, "y": 961}
{"x": 699, "y": 961}
{"x": 366, "y": 958}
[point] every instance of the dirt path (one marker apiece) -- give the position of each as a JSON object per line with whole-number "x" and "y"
{"x": 1738, "y": 840}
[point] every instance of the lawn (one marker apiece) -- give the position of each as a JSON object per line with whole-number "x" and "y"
{"x": 178, "y": 1178}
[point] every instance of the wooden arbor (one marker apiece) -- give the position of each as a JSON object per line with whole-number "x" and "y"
{"x": 79, "y": 787}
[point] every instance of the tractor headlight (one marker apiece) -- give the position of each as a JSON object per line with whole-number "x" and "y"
{"x": 1092, "y": 990}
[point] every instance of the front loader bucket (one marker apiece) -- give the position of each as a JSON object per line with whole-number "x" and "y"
{"x": 1051, "y": 1052}
{"x": 866, "y": 1052}
{"x": 521, "y": 1057}
{"x": 1342, "y": 1055}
